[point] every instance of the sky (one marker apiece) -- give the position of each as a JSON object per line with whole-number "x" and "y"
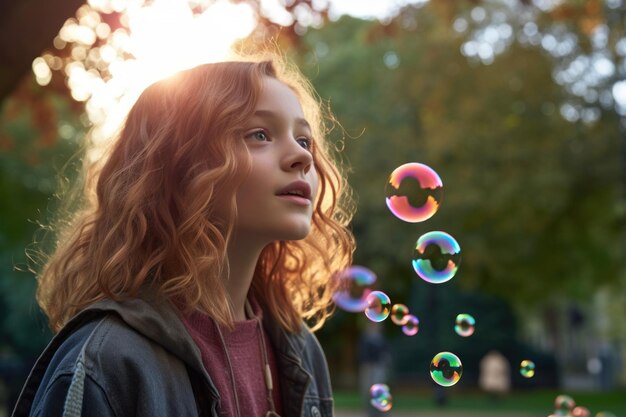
{"x": 368, "y": 8}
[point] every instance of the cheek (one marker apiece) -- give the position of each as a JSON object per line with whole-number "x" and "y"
{"x": 314, "y": 181}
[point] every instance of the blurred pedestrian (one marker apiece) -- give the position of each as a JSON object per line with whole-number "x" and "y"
{"x": 495, "y": 375}
{"x": 374, "y": 362}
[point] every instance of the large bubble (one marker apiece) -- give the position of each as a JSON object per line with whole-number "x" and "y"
{"x": 353, "y": 288}
{"x": 446, "y": 369}
{"x": 436, "y": 257}
{"x": 414, "y": 192}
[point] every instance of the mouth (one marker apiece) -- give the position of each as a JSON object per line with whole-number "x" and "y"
{"x": 298, "y": 190}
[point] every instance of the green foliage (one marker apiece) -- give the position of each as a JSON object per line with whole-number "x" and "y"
{"x": 534, "y": 200}
{"x": 30, "y": 162}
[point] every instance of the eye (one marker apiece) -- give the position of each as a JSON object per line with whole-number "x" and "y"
{"x": 258, "y": 135}
{"x": 305, "y": 142}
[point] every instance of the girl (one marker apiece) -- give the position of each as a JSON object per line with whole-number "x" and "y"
{"x": 205, "y": 237}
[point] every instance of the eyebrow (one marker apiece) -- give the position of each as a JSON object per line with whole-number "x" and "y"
{"x": 272, "y": 115}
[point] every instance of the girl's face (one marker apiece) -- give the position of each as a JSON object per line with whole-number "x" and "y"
{"x": 275, "y": 202}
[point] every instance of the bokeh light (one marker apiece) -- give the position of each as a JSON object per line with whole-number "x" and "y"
{"x": 353, "y": 288}
{"x": 464, "y": 325}
{"x": 378, "y": 306}
{"x": 380, "y": 397}
{"x": 436, "y": 257}
{"x": 413, "y": 192}
{"x": 446, "y": 369}
{"x": 108, "y": 67}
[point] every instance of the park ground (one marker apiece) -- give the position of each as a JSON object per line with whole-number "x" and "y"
{"x": 535, "y": 403}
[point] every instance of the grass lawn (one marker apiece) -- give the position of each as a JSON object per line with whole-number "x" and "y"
{"x": 537, "y": 401}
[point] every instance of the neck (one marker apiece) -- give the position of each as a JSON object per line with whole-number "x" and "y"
{"x": 242, "y": 259}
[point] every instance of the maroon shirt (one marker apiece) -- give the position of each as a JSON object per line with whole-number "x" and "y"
{"x": 244, "y": 349}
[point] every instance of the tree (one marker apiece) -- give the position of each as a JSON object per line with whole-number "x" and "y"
{"x": 535, "y": 200}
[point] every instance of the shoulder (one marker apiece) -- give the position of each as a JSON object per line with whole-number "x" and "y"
{"x": 314, "y": 360}
{"x": 311, "y": 344}
{"x": 114, "y": 367}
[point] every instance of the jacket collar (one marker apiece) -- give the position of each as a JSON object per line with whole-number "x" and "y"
{"x": 157, "y": 319}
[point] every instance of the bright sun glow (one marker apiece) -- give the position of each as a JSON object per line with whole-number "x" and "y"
{"x": 163, "y": 37}
{"x": 158, "y": 38}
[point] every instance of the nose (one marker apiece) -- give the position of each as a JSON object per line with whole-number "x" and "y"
{"x": 297, "y": 158}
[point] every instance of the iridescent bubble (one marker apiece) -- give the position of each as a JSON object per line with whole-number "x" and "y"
{"x": 412, "y": 325}
{"x": 580, "y": 412}
{"x": 352, "y": 292}
{"x": 446, "y": 369}
{"x": 380, "y": 397}
{"x": 464, "y": 325}
{"x": 527, "y": 368}
{"x": 563, "y": 404}
{"x": 413, "y": 192}
{"x": 436, "y": 257}
{"x": 399, "y": 314}
{"x": 378, "y": 306}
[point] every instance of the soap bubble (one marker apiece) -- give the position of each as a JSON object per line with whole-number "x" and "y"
{"x": 412, "y": 325}
{"x": 563, "y": 404}
{"x": 413, "y": 192}
{"x": 527, "y": 368}
{"x": 399, "y": 314}
{"x": 380, "y": 397}
{"x": 353, "y": 288}
{"x": 377, "y": 306}
{"x": 436, "y": 257}
{"x": 446, "y": 369}
{"x": 464, "y": 325}
{"x": 580, "y": 412}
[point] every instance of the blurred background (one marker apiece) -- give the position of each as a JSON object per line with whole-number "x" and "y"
{"x": 518, "y": 105}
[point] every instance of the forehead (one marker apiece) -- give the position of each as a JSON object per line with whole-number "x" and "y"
{"x": 276, "y": 96}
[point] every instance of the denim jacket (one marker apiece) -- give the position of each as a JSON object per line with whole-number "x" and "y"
{"x": 135, "y": 358}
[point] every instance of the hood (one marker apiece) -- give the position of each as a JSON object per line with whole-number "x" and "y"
{"x": 157, "y": 319}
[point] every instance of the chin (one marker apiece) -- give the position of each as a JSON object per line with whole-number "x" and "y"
{"x": 298, "y": 232}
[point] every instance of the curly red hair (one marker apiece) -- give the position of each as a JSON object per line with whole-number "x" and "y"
{"x": 146, "y": 210}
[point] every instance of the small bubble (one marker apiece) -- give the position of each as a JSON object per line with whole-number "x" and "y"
{"x": 527, "y": 368}
{"x": 399, "y": 314}
{"x": 378, "y": 306}
{"x": 380, "y": 397}
{"x": 446, "y": 369}
{"x": 436, "y": 257}
{"x": 352, "y": 292}
{"x": 563, "y": 404}
{"x": 412, "y": 325}
{"x": 464, "y": 325}
{"x": 413, "y": 192}
{"x": 580, "y": 412}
